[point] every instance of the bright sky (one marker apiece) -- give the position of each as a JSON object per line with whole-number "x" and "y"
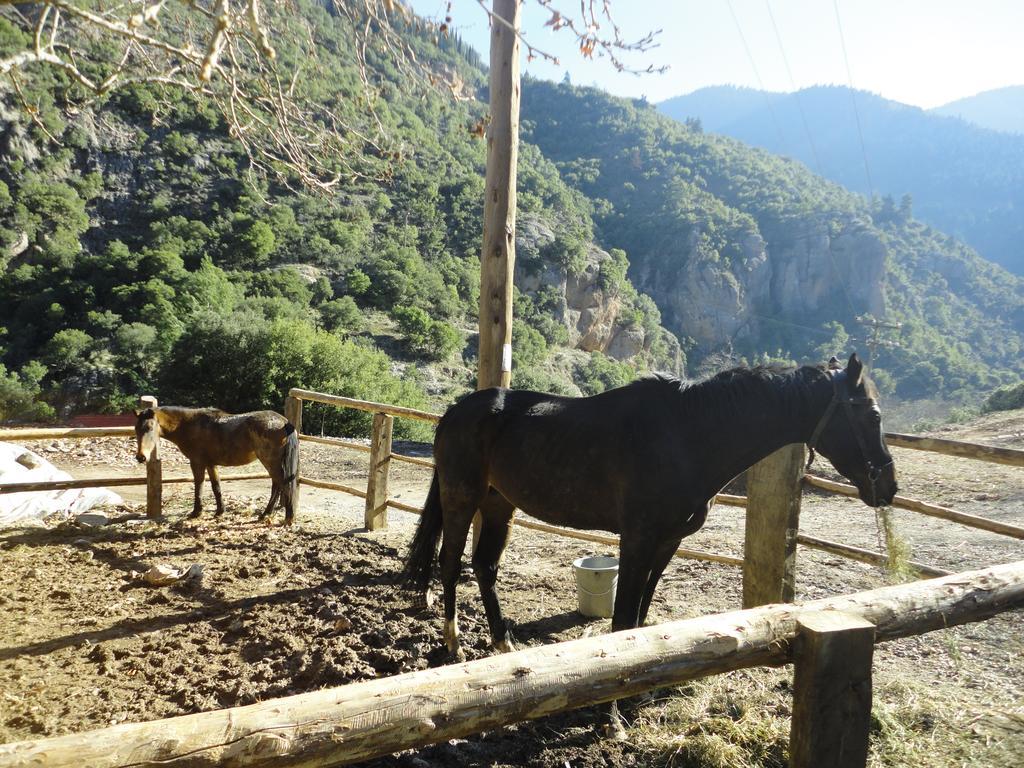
{"x": 921, "y": 52}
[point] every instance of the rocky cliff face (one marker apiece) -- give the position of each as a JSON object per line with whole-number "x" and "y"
{"x": 594, "y": 317}
{"x": 797, "y": 275}
{"x": 813, "y": 267}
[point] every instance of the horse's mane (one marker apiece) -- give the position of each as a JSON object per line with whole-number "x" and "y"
{"x": 724, "y": 390}
{"x": 187, "y": 409}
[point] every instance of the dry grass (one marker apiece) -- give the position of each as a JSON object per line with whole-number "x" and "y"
{"x": 742, "y": 720}
{"x": 919, "y": 726}
{"x": 897, "y": 549}
{"x": 728, "y": 721}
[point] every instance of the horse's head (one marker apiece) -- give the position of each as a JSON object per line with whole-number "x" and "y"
{"x": 849, "y": 434}
{"x": 147, "y": 434}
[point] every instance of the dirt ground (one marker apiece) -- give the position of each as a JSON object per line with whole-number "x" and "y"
{"x": 85, "y": 643}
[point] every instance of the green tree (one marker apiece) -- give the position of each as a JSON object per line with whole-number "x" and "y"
{"x": 252, "y": 244}
{"x": 19, "y": 395}
{"x": 341, "y": 315}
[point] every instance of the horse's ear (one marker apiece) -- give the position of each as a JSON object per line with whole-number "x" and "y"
{"x": 834, "y": 364}
{"x": 854, "y": 369}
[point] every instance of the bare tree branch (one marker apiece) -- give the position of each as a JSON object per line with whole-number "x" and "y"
{"x": 223, "y": 50}
{"x": 586, "y": 28}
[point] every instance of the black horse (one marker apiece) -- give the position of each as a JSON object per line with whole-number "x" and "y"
{"x": 643, "y": 461}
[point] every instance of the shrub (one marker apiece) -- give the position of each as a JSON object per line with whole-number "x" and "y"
{"x": 244, "y": 362}
{"x": 434, "y": 339}
{"x": 601, "y": 373}
{"x": 1004, "y": 399}
{"x": 341, "y": 315}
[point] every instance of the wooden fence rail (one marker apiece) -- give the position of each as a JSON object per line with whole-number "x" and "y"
{"x": 933, "y": 510}
{"x": 112, "y": 482}
{"x": 363, "y": 405}
{"x": 1012, "y": 456}
{"x": 378, "y": 717}
{"x": 63, "y": 433}
{"x": 864, "y": 555}
{"x": 337, "y": 442}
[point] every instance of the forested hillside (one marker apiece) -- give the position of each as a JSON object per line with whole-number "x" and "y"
{"x": 138, "y": 253}
{"x": 964, "y": 180}
{"x": 745, "y": 250}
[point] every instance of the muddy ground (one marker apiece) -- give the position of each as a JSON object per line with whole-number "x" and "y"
{"x": 85, "y": 643}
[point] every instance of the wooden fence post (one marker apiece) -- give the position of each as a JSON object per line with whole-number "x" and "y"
{"x": 293, "y": 412}
{"x": 375, "y": 515}
{"x": 773, "y": 518}
{"x": 831, "y": 691}
{"x": 154, "y": 467}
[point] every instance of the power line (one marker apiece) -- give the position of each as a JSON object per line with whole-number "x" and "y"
{"x": 731, "y": 312}
{"x": 810, "y": 140}
{"x": 853, "y": 99}
{"x": 876, "y": 329}
{"x": 778, "y": 128}
{"x": 796, "y": 92}
{"x": 757, "y": 75}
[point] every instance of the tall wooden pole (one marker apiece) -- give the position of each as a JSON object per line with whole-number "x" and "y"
{"x": 498, "y": 256}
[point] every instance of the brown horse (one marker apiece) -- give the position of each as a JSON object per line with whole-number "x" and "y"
{"x": 211, "y": 438}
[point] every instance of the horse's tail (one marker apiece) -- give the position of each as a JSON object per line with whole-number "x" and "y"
{"x": 290, "y": 465}
{"x": 420, "y": 562}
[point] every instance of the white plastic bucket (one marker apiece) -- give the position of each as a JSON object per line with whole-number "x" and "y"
{"x": 596, "y": 579}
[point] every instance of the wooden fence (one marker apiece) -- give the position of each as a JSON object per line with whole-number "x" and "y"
{"x": 774, "y": 488}
{"x": 829, "y": 641}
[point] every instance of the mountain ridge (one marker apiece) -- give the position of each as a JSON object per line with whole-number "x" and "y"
{"x": 999, "y": 109}
{"x": 965, "y": 180}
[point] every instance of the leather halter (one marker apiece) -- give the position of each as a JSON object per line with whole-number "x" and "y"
{"x": 841, "y": 396}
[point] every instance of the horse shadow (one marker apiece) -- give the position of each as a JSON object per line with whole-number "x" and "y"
{"x": 129, "y": 627}
{"x": 549, "y": 629}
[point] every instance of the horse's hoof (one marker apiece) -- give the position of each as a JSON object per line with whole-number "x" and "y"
{"x": 458, "y": 656}
{"x": 614, "y": 730}
{"x": 505, "y": 646}
{"x": 423, "y": 601}
{"x": 194, "y": 514}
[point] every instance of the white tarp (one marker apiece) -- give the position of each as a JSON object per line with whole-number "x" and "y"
{"x": 20, "y": 465}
